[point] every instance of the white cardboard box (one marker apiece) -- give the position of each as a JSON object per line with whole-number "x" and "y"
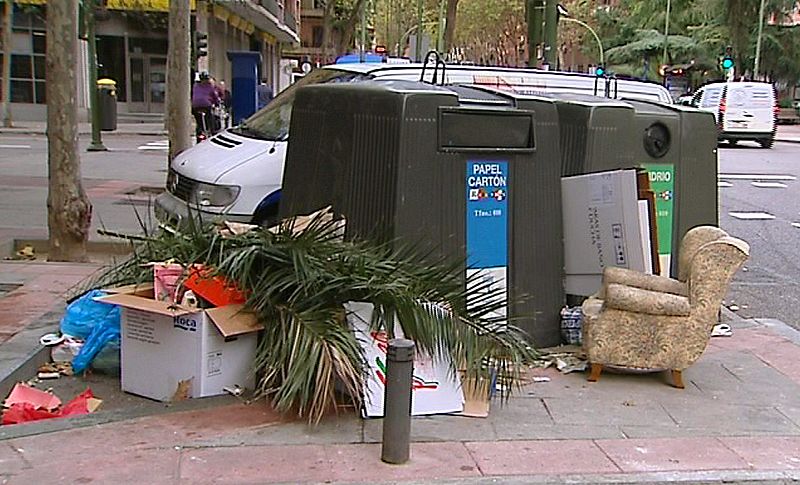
{"x": 435, "y": 388}
{"x": 169, "y": 352}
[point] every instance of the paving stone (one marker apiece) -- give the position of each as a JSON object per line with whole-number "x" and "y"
{"x": 540, "y": 457}
{"x": 619, "y": 410}
{"x": 507, "y": 430}
{"x": 341, "y": 429}
{"x": 734, "y": 419}
{"x": 438, "y": 428}
{"x": 671, "y": 454}
{"x": 772, "y": 453}
{"x": 355, "y": 462}
{"x": 103, "y": 466}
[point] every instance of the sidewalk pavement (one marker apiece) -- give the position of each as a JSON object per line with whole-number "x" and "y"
{"x": 785, "y": 133}
{"x": 737, "y": 420}
{"x": 40, "y": 128}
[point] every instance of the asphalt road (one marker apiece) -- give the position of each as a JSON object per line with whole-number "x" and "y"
{"x": 112, "y": 180}
{"x": 760, "y": 203}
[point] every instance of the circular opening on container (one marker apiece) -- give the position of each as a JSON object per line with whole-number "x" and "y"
{"x": 656, "y": 140}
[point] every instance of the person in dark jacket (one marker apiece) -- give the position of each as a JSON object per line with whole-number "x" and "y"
{"x": 204, "y": 98}
{"x": 264, "y": 92}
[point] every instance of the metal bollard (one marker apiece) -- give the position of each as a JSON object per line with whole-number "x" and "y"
{"x": 397, "y": 401}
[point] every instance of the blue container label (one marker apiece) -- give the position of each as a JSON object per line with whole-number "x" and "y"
{"x": 487, "y": 214}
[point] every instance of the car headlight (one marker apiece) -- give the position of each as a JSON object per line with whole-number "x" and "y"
{"x": 208, "y": 195}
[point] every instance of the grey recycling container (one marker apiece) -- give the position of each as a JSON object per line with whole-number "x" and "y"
{"x": 465, "y": 172}
{"x": 678, "y": 148}
{"x": 675, "y": 145}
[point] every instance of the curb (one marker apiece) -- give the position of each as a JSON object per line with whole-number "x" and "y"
{"x": 22, "y": 354}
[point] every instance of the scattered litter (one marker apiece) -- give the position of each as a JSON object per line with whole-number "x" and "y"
{"x": 629, "y": 403}
{"x": 734, "y": 307}
{"x": 745, "y": 269}
{"x": 721, "y": 330}
{"x": 54, "y": 370}
{"x": 565, "y": 358}
{"x": 541, "y": 379}
{"x": 26, "y": 404}
{"x": 234, "y": 390}
{"x": 50, "y": 339}
{"x": 26, "y": 252}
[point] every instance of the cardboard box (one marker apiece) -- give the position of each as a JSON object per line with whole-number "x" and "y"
{"x": 435, "y": 388}
{"x": 170, "y": 353}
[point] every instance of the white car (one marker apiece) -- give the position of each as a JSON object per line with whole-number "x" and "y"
{"x": 743, "y": 110}
{"x": 238, "y": 173}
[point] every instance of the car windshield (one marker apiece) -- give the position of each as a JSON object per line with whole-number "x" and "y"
{"x": 272, "y": 121}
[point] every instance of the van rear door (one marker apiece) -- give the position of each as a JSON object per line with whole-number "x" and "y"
{"x": 749, "y": 108}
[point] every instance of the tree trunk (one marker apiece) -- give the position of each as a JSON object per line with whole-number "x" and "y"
{"x": 69, "y": 212}
{"x": 349, "y": 27}
{"x": 450, "y": 26}
{"x": 179, "y": 109}
{"x": 8, "y": 10}
{"x": 327, "y": 31}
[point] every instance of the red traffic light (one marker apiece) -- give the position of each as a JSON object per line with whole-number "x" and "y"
{"x": 380, "y": 49}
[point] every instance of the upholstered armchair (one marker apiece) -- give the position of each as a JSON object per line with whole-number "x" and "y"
{"x": 648, "y": 322}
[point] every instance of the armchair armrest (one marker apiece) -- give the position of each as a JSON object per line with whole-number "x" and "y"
{"x": 629, "y": 298}
{"x": 644, "y": 281}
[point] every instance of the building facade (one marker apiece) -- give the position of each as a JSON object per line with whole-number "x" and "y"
{"x": 132, "y": 45}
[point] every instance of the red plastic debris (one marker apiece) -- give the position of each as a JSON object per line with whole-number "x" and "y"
{"x": 26, "y": 404}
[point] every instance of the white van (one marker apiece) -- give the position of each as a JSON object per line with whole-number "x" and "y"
{"x": 238, "y": 172}
{"x": 743, "y": 110}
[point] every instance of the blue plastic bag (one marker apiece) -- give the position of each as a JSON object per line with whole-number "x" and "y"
{"x": 96, "y": 322}
{"x": 104, "y": 334}
{"x": 84, "y": 314}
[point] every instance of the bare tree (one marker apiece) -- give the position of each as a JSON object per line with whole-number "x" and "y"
{"x": 179, "y": 111}
{"x": 69, "y": 212}
{"x": 450, "y": 25}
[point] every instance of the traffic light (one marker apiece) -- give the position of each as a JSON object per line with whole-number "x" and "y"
{"x": 727, "y": 62}
{"x": 200, "y": 44}
{"x": 599, "y": 71}
{"x": 727, "y": 59}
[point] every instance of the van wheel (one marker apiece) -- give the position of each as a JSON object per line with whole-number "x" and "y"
{"x": 766, "y": 142}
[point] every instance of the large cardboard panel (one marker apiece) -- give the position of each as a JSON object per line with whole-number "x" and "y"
{"x": 436, "y": 387}
{"x": 601, "y": 228}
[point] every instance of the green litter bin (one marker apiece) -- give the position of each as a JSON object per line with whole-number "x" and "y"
{"x": 107, "y": 103}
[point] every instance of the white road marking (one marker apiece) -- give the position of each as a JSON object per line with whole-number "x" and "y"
{"x": 155, "y": 145}
{"x": 751, "y": 216}
{"x": 15, "y": 146}
{"x": 769, "y": 185}
{"x": 722, "y": 183}
{"x": 755, "y": 176}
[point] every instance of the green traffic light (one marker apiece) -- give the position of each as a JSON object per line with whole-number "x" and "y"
{"x": 600, "y": 71}
{"x": 727, "y": 63}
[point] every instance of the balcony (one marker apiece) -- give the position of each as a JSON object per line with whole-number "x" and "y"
{"x": 273, "y": 7}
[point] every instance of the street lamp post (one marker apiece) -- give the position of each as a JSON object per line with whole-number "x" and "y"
{"x": 563, "y": 14}
{"x": 758, "y": 39}
{"x": 666, "y": 35}
{"x": 591, "y": 30}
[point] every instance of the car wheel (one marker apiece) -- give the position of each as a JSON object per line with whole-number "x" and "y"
{"x": 732, "y": 143}
{"x": 766, "y": 142}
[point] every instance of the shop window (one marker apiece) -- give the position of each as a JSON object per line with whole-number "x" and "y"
{"x": 21, "y": 91}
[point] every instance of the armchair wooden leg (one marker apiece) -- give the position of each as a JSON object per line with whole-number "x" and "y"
{"x": 677, "y": 379}
{"x": 595, "y": 373}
